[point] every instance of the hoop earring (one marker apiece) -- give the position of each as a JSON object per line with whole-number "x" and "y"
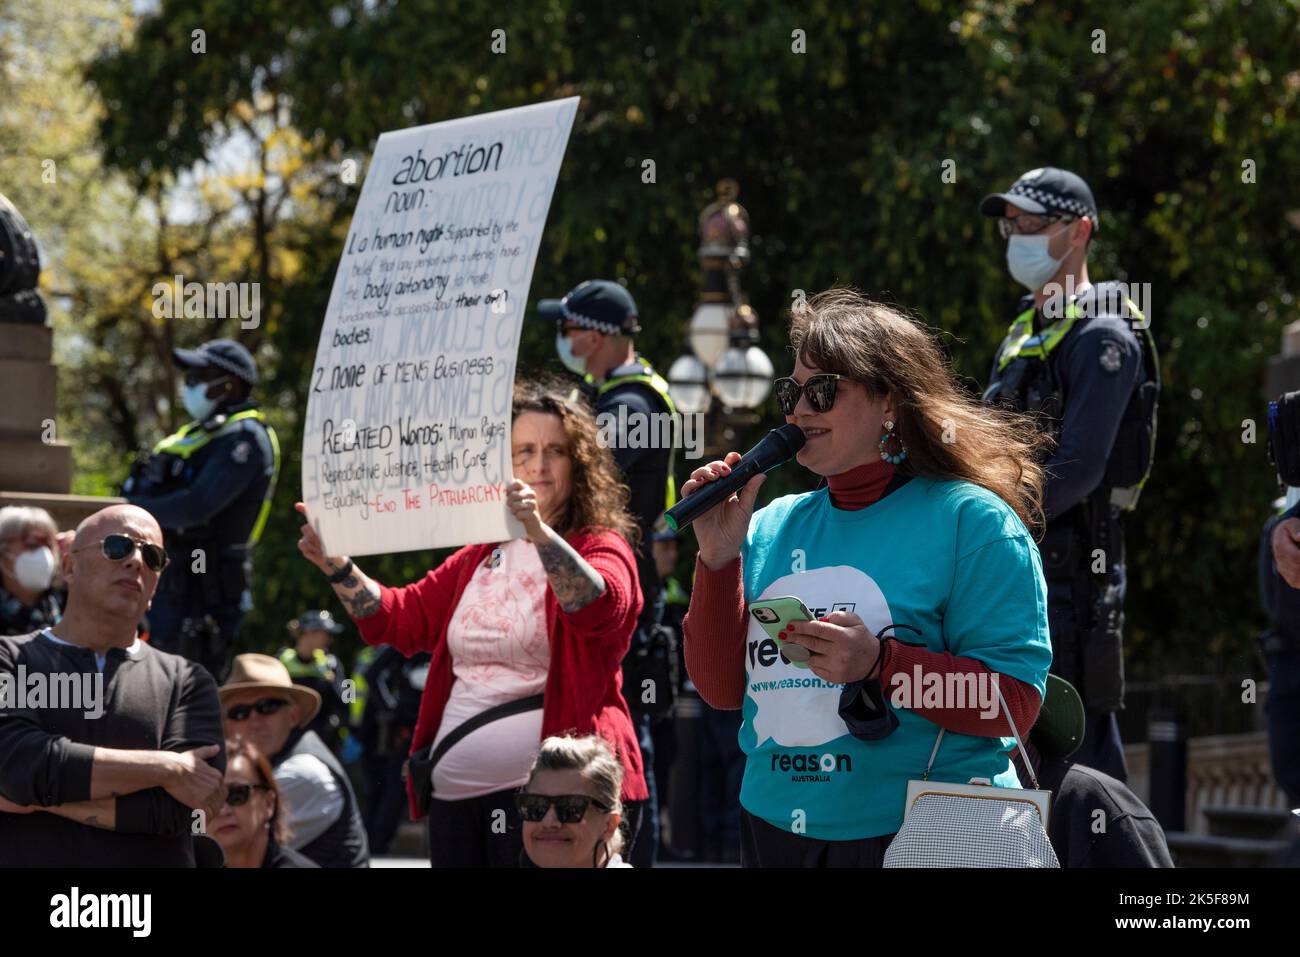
{"x": 884, "y": 440}
{"x": 595, "y": 852}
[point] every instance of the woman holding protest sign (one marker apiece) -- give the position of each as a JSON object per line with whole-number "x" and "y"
{"x": 526, "y": 636}
{"x": 912, "y": 574}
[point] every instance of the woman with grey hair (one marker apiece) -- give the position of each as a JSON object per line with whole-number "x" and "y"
{"x": 29, "y": 559}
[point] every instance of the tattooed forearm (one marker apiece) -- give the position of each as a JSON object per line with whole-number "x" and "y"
{"x": 100, "y": 813}
{"x": 575, "y": 583}
{"x": 358, "y": 592}
{"x": 363, "y": 604}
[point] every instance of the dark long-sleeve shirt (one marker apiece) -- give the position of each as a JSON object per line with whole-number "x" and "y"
{"x": 150, "y": 700}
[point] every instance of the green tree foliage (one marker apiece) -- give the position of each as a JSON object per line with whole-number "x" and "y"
{"x": 841, "y": 152}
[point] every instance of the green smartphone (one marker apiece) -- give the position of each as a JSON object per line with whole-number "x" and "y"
{"x": 773, "y": 614}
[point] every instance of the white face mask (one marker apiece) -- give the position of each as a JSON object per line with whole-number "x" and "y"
{"x": 1029, "y": 262}
{"x": 34, "y": 568}
{"x": 564, "y": 346}
{"x": 196, "y": 401}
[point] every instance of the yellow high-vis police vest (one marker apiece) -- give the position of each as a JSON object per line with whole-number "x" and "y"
{"x": 1022, "y": 342}
{"x": 191, "y": 437}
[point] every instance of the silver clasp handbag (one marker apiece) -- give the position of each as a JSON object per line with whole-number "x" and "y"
{"x": 975, "y": 824}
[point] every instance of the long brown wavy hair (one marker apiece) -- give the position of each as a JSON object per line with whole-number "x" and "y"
{"x": 948, "y": 434}
{"x": 599, "y": 497}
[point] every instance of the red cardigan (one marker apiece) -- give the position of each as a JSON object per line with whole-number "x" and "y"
{"x": 587, "y": 647}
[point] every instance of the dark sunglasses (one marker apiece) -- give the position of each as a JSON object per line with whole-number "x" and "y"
{"x": 569, "y": 808}
{"x": 118, "y": 548}
{"x": 241, "y": 712}
{"x": 820, "y": 390}
{"x": 238, "y": 794}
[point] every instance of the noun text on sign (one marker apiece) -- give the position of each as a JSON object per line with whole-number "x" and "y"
{"x": 406, "y": 443}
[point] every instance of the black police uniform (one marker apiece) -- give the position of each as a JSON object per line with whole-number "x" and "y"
{"x": 645, "y": 470}
{"x": 209, "y": 501}
{"x": 1090, "y": 381}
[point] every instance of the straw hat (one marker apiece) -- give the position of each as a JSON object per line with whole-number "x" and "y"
{"x": 265, "y": 672}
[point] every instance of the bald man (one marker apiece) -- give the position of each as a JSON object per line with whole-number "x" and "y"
{"x": 111, "y": 752}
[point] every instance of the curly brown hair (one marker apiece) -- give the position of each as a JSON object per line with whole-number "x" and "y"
{"x": 600, "y": 496}
{"x": 947, "y": 433}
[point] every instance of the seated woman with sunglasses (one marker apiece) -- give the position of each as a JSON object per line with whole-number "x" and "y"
{"x": 251, "y": 827}
{"x": 919, "y": 567}
{"x": 262, "y": 705}
{"x": 570, "y": 805}
{"x": 550, "y": 613}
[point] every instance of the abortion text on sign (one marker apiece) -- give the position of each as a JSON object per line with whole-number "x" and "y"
{"x": 407, "y": 436}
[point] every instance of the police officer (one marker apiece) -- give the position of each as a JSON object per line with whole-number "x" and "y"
{"x": 1079, "y": 358}
{"x": 209, "y": 486}
{"x": 311, "y": 665}
{"x": 595, "y": 324}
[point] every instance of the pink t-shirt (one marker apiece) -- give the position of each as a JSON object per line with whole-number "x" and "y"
{"x": 499, "y": 652}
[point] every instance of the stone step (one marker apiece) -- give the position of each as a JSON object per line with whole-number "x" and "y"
{"x": 66, "y": 510}
{"x": 1202, "y": 850}
{"x": 29, "y": 465}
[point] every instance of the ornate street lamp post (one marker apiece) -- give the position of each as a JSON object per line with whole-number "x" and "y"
{"x": 724, "y": 373}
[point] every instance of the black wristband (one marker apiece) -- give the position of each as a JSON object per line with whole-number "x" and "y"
{"x": 342, "y": 573}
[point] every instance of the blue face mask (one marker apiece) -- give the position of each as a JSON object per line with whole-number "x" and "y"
{"x": 196, "y": 401}
{"x": 564, "y": 346}
{"x": 1029, "y": 262}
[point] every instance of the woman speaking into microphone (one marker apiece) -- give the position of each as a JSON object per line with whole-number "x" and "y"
{"x": 918, "y": 567}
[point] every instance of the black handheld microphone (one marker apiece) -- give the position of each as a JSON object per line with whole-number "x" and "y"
{"x": 777, "y": 447}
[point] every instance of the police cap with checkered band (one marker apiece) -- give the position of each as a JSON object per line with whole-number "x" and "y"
{"x": 1045, "y": 191}
{"x": 225, "y": 355}
{"x": 595, "y": 304}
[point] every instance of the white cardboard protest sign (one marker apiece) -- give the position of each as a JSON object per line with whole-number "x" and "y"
{"x": 406, "y": 442}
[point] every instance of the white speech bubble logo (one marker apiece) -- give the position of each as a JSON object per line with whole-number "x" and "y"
{"x": 807, "y": 711}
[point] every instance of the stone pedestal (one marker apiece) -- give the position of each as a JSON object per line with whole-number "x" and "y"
{"x": 35, "y": 467}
